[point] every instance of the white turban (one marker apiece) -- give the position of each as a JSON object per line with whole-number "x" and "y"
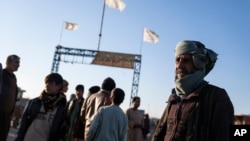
{"x": 203, "y": 58}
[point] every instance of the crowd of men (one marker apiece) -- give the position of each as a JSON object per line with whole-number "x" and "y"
{"x": 195, "y": 110}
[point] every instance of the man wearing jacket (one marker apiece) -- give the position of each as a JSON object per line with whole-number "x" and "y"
{"x": 110, "y": 122}
{"x": 95, "y": 101}
{"x": 43, "y": 117}
{"x": 76, "y": 125}
{"x": 196, "y": 110}
{"x": 8, "y": 94}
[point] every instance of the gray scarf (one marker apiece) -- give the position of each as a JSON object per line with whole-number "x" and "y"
{"x": 188, "y": 83}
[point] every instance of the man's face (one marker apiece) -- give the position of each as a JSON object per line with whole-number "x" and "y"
{"x": 13, "y": 65}
{"x": 79, "y": 94}
{"x": 184, "y": 65}
{"x": 52, "y": 88}
{"x": 137, "y": 103}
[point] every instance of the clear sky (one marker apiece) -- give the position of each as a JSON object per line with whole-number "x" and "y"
{"x": 31, "y": 29}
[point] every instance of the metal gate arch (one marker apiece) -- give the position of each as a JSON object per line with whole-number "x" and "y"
{"x": 76, "y": 52}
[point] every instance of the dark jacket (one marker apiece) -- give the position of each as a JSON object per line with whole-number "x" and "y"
{"x": 78, "y": 131}
{"x": 32, "y": 111}
{"x": 204, "y": 115}
{"x": 8, "y": 93}
{"x": 1, "y": 77}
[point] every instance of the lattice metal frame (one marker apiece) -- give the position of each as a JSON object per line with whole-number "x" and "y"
{"x": 82, "y": 53}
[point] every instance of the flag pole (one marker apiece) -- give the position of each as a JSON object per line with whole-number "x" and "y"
{"x": 100, "y": 34}
{"x": 60, "y": 38}
{"x": 141, "y": 41}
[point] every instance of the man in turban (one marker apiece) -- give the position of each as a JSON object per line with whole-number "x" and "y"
{"x": 196, "y": 110}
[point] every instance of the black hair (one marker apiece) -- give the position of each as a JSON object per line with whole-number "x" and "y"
{"x": 12, "y": 57}
{"x": 118, "y": 95}
{"x": 79, "y": 87}
{"x": 94, "y": 89}
{"x": 54, "y": 77}
{"x": 135, "y": 98}
{"x": 108, "y": 84}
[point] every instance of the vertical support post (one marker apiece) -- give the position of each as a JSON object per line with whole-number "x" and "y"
{"x": 100, "y": 34}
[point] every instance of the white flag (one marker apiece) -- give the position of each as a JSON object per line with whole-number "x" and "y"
{"x": 150, "y": 36}
{"x": 117, "y": 4}
{"x": 71, "y": 26}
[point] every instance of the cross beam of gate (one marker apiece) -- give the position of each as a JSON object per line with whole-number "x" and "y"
{"x": 131, "y": 61}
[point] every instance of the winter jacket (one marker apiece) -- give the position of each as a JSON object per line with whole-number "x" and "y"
{"x": 204, "y": 115}
{"x": 78, "y": 123}
{"x": 8, "y": 93}
{"x": 32, "y": 110}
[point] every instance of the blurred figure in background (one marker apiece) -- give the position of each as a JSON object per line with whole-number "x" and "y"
{"x": 8, "y": 94}
{"x": 95, "y": 101}
{"x": 76, "y": 125}
{"x": 110, "y": 123}
{"x": 65, "y": 86}
{"x": 135, "y": 121}
{"x": 72, "y": 97}
{"x": 93, "y": 90}
{"x": 146, "y": 128}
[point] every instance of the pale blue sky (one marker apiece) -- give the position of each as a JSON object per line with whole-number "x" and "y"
{"x": 32, "y": 29}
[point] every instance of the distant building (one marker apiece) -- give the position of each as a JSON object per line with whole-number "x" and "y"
{"x": 241, "y": 119}
{"x": 19, "y": 108}
{"x": 20, "y": 93}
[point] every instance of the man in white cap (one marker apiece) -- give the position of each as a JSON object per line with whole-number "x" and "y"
{"x": 196, "y": 110}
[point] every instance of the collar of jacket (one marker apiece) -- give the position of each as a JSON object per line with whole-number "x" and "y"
{"x": 173, "y": 98}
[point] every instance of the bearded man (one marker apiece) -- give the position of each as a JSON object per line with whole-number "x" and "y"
{"x": 196, "y": 110}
